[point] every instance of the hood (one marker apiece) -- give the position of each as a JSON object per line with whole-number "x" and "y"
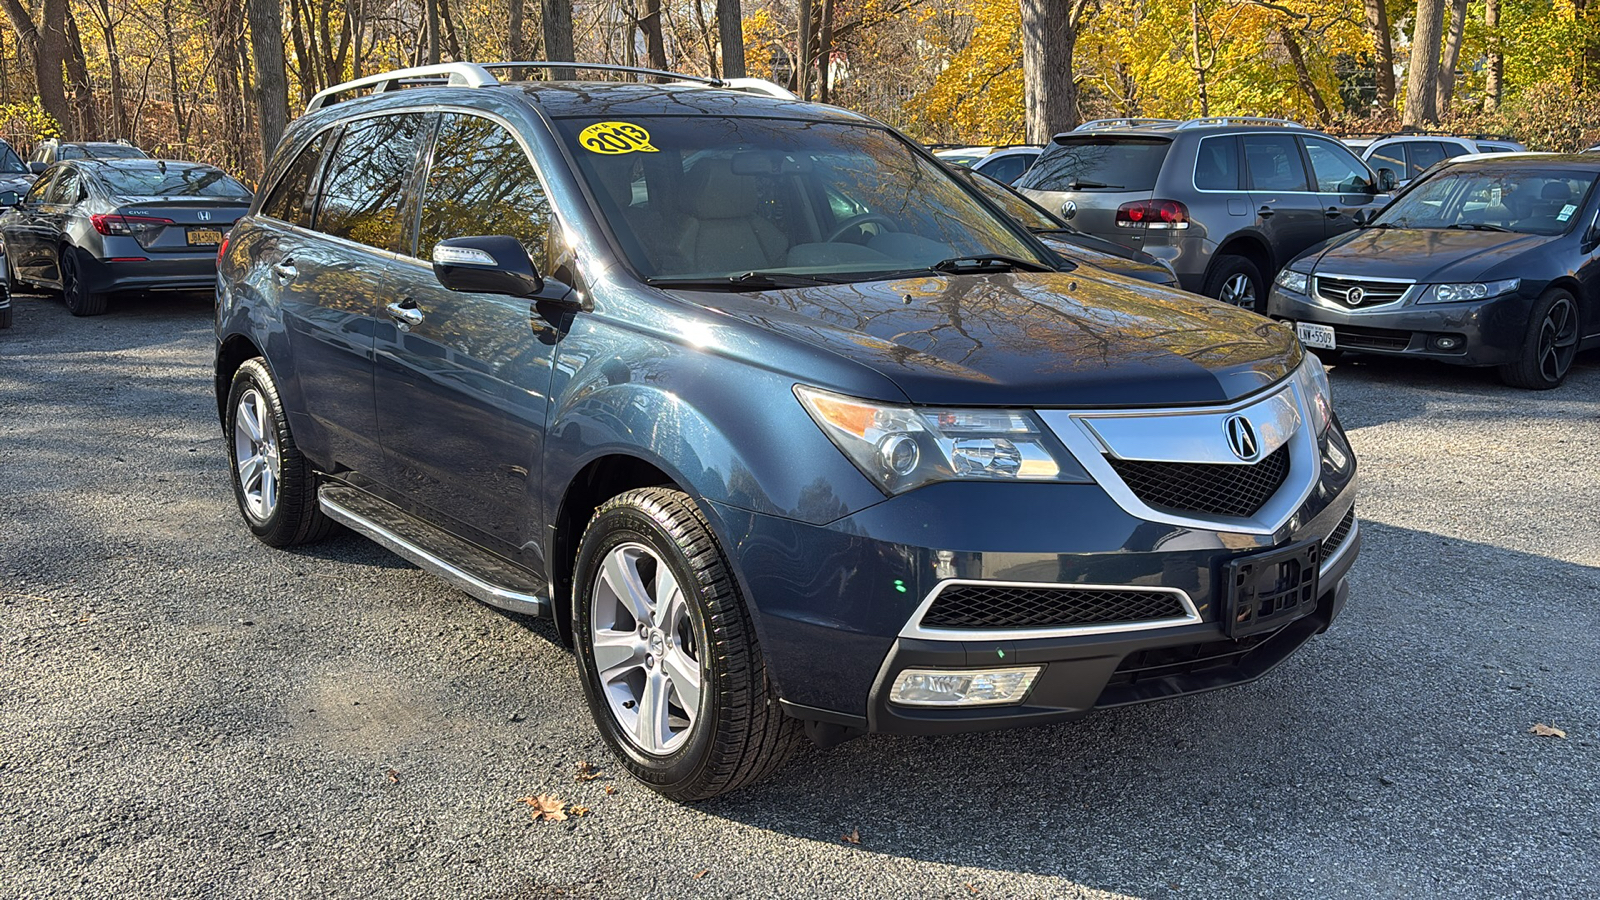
{"x": 1112, "y": 257}
{"x": 1427, "y": 255}
{"x": 1030, "y": 340}
{"x": 16, "y": 181}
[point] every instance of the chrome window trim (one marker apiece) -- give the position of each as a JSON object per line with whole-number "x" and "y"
{"x": 1071, "y": 427}
{"x": 914, "y": 629}
{"x": 1340, "y": 551}
{"x": 1413, "y": 290}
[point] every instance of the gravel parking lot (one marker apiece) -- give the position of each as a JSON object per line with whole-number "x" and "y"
{"x": 185, "y": 712}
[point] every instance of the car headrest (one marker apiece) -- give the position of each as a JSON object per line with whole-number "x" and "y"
{"x": 1555, "y": 190}
{"x": 715, "y": 192}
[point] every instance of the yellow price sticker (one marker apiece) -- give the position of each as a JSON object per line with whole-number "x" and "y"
{"x": 615, "y": 137}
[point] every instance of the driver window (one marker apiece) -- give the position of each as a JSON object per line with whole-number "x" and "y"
{"x": 481, "y": 182}
{"x": 41, "y": 186}
{"x": 1337, "y": 170}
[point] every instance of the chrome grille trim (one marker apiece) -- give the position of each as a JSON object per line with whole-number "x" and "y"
{"x": 915, "y": 629}
{"x": 1330, "y": 289}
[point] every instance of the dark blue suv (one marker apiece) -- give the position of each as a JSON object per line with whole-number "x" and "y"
{"x": 791, "y": 432}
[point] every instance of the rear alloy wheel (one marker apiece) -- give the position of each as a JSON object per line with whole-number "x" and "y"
{"x": 1549, "y": 346}
{"x": 274, "y": 485}
{"x": 79, "y": 299}
{"x": 674, "y": 677}
{"x": 1235, "y": 281}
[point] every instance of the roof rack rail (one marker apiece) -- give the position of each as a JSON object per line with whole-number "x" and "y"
{"x": 1107, "y": 124}
{"x": 751, "y": 86}
{"x": 604, "y": 67}
{"x": 1209, "y": 121}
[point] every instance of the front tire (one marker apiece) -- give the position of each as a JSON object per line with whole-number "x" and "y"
{"x": 1236, "y": 281}
{"x": 668, "y": 656}
{"x": 1549, "y": 345}
{"x": 274, "y": 485}
{"x": 79, "y": 299}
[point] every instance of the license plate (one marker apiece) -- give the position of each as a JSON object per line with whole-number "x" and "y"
{"x": 1267, "y": 590}
{"x": 1313, "y": 335}
{"x": 202, "y": 236}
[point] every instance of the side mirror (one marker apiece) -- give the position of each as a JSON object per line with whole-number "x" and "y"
{"x": 37, "y": 168}
{"x": 488, "y": 264}
{"x": 1591, "y": 237}
{"x": 10, "y": 198}
{"x": 1387, "y": 180}
{"x": 1361, "y": 218}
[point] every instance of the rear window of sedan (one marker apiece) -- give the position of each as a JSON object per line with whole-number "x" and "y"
{"x": 1098, "y": 163}
{"x": 167, "y": 180}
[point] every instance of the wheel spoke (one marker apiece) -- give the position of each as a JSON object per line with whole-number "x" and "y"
{"x": 250, "y": 471}
{"x": 616, "y": 653}
{"x": 269, "y": 490}
{"x": 652, "y": 728}
{"x": 622, "y": 576}
{"x": 684, "y": 673}
{"x": 249, "y": 415}
{"x": 669, "y": 599}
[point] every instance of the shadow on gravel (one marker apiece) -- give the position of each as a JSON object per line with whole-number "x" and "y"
{"x": 1374, "y": 753}
{"x": 1399, "y": 381}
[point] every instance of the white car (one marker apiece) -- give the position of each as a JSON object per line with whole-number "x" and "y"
{"x": 1002, "y": 163}
{"x": 1409, "y": 155}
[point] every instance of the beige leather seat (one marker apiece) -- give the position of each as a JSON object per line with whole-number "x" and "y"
{"x": 722, "y": 232}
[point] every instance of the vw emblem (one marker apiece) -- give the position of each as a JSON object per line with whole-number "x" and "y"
{"x": 1354, "y": 296}
{"x": 1069, "y": 209}
{"x": 1242, "y": 438}
{"x": 203, "y": 215}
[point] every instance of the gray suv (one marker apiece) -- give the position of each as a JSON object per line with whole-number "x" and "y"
{"x": 1226, "y": 201}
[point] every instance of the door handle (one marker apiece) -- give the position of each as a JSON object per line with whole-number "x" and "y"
{"x": 1335, "y": 212}
{"x": 285, "y": 270}
{"x": 405, "y": 314}
{"x": 1265, "y": 212}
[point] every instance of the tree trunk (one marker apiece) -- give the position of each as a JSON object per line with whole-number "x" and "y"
{"x": 514, "y": 32}
{"x": 730, "y": 27}
{"x": 226, "y": 22}
{"x": 1423, "y": 76}
{"x": 45, "y": 45}
{"x": 431, "y": 20}
{"x": 1302, "y": 74}
{"x": 558, "y": 36}
{"x": 1382, "y": 51}
{"x": 802, "y": 56}
{"x": 1494, "y": 69}
{"x": 650, "y": 24}
{"x": 272, "y": 81}
{"x": 705, "y": 37}
{"x": 1445, "y": 92}
{"x": 825, "y": 54}
{"x": 1200, "y": 66}
{"x": 119, "y": 99}
{"x": 1049, "y": 36}
{"x": 82, "y": 88}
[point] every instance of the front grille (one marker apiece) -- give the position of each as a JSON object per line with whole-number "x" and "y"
{"x": 1213, "y": 489}
{"x": 1372, "y": 293}
{"x": 1186, "y": 659}
{"x": 998, "y": 606}
{"x": 1336, "y": 538}
{"x": 1353, "y": 337}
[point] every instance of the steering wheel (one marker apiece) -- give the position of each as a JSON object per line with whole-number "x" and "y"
{"x": 857, "y": 222}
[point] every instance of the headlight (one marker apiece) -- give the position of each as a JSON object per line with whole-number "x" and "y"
{"x": 1294, "y": 282}
{"x": 901, "y": 447}
{"x": 1476, "y": 290}
{"x": 1313, "y": 382}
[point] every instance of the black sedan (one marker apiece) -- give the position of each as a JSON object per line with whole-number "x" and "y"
{"x": 1066, "y": 240}
{"x": 90, "y": 228}
{"x": 1485, "y": 262}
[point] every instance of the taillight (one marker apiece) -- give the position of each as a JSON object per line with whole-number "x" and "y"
{"x": 1153, "y": 214}
{"x": 223, "y": 247}
{"x": 143, "y": 229}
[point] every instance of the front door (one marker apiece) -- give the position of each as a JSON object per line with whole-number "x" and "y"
{"x": 1286, "y": 209}
{"x": 1343, "y": 183}
{"x": 462, "y": 378}
{"x": 24, "y": 237}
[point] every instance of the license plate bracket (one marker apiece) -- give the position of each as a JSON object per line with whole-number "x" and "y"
{"x": 1267, "y": 590}
{"x": 1313, "y": 334}
{"x": 204, "y": 237}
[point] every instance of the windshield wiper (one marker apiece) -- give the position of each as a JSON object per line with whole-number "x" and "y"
{"x": 749, "y": 281}
{"x": 987, "y": 262}
{"x": 1478, "y": 226}
{"x": 1079, "y": 184}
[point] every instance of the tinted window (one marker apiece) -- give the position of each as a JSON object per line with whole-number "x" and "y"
{"x": 1273, "y": 162}
{"x": 481, "y": 182}
{"x": 1423, "y": 155}
{"x": 41, "y": 186}
{"x": 291, "y": 199}
{"x": 363, "y": 195}
{"x": 1216, "y": 165}
{"x": 1526, "y": 199}
{"x": 170, "y": 180}
{"x": 114, "y": 151}
{"x": 68, "y": 151}
{"x": 1336, "y": 169}
{"x": 1006, "y": 168}
{"x": 1017, "y": 206}
{"x": 1098, "y": 164}
{"x": 9, "y": 160}
{"x": 65, "y": 189}
{"x": 1391, "y": 157}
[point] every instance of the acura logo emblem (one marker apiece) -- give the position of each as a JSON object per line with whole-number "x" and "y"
{"x": 1354, "y": 296}
{"x": 1242, "y": 438}
{"x": 203, "y": 215}
{"x": 1069, "y": 209}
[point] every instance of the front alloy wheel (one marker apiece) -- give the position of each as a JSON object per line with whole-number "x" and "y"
{"x": 1550, "y": 345}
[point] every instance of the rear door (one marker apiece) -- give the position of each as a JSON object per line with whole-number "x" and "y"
{"x": 1344, "y": 184}
{"x": 1084, "y": 178}
{"x": 24, "y": 240}
{"x": 462, "y": 379}
{"x": 1287, "y": 210}
{"x": 51, "y": 221}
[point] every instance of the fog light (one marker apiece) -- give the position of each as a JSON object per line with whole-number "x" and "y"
{"x": 963, "y": 687}
{"x": 1447, "y": 342}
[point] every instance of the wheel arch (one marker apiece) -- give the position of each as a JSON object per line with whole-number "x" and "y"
{"x": 1252, "y": 247}
{"x": 231, "y": 354}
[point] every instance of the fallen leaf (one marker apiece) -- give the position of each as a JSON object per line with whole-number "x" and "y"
{"x": 1544, "y": 730}
{"x": 701, "y": 874}
{"x": 394, "y": 777}
{"x": 578, "y": 812}
{"x": 854, "y": 837}
{"x": 547, "y": 807}
{"x": 588, "y": 771}
{"x": 971, "y": 887}
{"x": 610, "y": 789}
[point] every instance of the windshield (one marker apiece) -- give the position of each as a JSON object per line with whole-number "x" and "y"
{"x": 712, "y": 197}
{"x": 1523, "y": 199}
{"x": 1016, "y": 206}
{"x": 168, "y": 180}
{"x": 1098, "y": 164}
{"x": 10, "y": 162}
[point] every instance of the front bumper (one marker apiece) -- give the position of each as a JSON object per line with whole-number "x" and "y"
{"x": 832, "y": 603}
{"x": 1488, "y": 332}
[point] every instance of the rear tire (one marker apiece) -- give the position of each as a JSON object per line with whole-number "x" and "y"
{"x": 668, "y": 656}
{"x": 1236, "y": 281}
{"x": 274, "y": 485}
{"x": 1548, "y": 346}
{"x": 79, "y": 299}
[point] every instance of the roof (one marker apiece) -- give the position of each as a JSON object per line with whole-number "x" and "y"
{"x": 1583, "y": 162}
{"x": 1171, "y": 127}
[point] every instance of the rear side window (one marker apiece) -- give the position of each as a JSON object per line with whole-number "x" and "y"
{"x": 290, "y": 200}
{"x": 65, "y": 189}
{"x": 1424, "y": 154}
{"x": 1099, "y": 163}
{"x": 1006, "y": 168}
{"x": 364, "y": 193}
{"x": 1391, "y": 157}
{"x": 1336, "y": 169}
{"x": 1273, "y": 162}
{"x": 1216, "y": 164}
{"x": 481, "y": 182}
